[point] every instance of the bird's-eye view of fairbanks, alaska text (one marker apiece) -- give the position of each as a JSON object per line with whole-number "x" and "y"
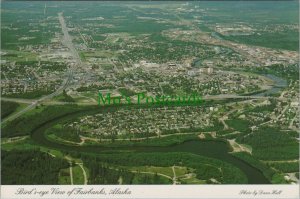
{"x": 134, "y": 92}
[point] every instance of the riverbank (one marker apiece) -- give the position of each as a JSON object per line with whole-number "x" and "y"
{"x": 214, "y": 149}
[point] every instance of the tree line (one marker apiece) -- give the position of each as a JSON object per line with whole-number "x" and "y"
{"x": 29, "y": 167}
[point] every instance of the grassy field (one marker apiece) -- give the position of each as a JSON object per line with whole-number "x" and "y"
{"x": 162, "y": 170}
{"x": 183, "y": 174}
{"x": 78, "y": 177}
{"x": 21, "y": 145}
{"x": 64, "y": 177}
{"x": 192, "y": 180}
{"x": 180, "y": 171}
{"x": 13, "y": 55}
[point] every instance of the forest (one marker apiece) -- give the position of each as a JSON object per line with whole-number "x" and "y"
{"x": 7, "y": 108}
{"x": 205, "y": 168}
{"x": 286, "y": 167}
{"x": 25, "y": 124}
{"x": 29, "y": 167}
{"x": 282, "y": 146}
{"x": 103, "y": 174}
{"x": 65, "y": 133}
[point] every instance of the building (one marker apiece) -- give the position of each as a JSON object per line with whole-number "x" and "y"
{"x": 207, "y": 70}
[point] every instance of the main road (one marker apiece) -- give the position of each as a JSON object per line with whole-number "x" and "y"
{"x": 67, "y": 41}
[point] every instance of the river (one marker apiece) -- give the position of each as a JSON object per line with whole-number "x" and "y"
{"x": 208, "y": 148}
{"x": 279, "y": 84}
{"x": 212, "y": 149}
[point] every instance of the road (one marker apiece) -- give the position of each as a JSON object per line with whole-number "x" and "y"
{"x": 84, "y": 173}
{"x": 67, "y": 41}
{"x": 239, "y": 147}
{"x": 45, "y": 99}
{"x": 292, "y": 122}
{"x": 174, "y": 176}
{"x": 71, "y": 173}
{"x": 211, "y": 97}
{"x": 280, "y": 161}
{"x": 224, "y": 124}
{"x": 14, "y": 139}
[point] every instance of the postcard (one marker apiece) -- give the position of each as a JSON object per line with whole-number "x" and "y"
{"x": 149, "y": 99}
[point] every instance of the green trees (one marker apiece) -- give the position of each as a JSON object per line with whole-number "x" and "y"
{"x": 205, "y": 168}
{"x": 271, "y": 144}
{"x": 8, "y": 108}
{"x": 66, "y": 133}
{"x": 239, "y": 124}
{"x": 66, "y": 97}
{"x": 30, "y": 167}
{"x": 286, "y": 167}
{"x": 25, "y": 124}
{"x": 102, "y": 174}
{"x": 126, "y": 92}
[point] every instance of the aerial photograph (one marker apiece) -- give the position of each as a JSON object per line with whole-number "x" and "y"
{"x": 149, "y": 93}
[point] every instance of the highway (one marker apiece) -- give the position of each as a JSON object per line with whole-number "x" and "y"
{"x": 67, "y": 41}
{"x": 46, "y": 101}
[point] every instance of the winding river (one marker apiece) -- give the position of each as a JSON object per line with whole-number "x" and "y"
{"x": 208, "y": 148}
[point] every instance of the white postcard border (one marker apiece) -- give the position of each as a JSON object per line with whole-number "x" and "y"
{"x": 149, "y": 191}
